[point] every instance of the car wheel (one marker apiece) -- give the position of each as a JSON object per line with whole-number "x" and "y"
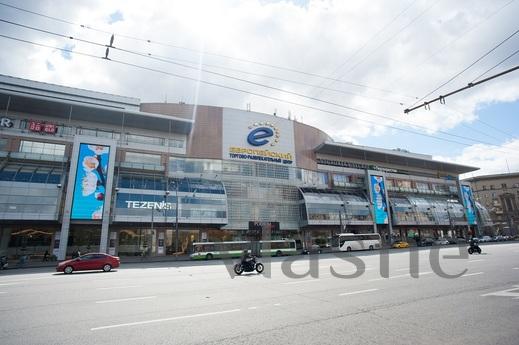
{"x": 371, "y": 248}
{"x": 68, "y": 270}
{"x": 348, "y": 249}
{"x": 279, "y": 253}
{"x": 107, "y": 268}
{"x": 209, "y": 256}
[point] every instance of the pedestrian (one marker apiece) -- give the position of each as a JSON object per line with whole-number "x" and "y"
{"x": 46, "y": 256}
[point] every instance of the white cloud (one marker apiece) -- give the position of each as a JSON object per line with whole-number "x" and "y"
{"x": 316, "y": 38}
{"x": 490, "y": 159}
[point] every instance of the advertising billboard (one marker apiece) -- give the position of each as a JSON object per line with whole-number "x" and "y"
{"x": 468, "y": 200}
{"x": 378, "y": 191}
{"x": 90, "y": 183}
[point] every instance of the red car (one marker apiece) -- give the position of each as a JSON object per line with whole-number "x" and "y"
{"x": 90, "y": 261}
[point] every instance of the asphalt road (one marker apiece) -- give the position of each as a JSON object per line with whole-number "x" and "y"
{"x": 199, "y": 303}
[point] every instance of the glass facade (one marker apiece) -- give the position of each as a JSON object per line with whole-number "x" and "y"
{"x": 42, "y": 148}
{"x": 215, "y": 198}
{"x": 143, "y": 198}
{"x": 139, "y": 157}
{"x": 332, "y": 209}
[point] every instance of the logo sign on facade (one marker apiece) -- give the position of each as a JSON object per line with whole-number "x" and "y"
{"x": 249, "y": 136}
{"x": 378, "y": 191}
{"x": 42, "y": 127}
{"x": 150, "y": 205}
{"x": 262, "y": 133}
{"x": 468, "y": 199}
{"x": 258, "y": 135}
{"x": 90, "y": 183}
{"x": 6, "y": 122}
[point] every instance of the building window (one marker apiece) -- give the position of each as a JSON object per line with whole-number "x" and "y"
{"x": 491, "y": 186}
{"x": 484, "y": 187}
{"x": 143, "y": 139}
{"x": 42, "y": 148}
{"x": 3, "y": 144}
{"x": 178, "y": 143}
{"x": 503, "y": 185}
{"x": 137, "y": 157}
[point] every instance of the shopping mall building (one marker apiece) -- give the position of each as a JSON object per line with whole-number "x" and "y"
{"x": 100, "y": 172}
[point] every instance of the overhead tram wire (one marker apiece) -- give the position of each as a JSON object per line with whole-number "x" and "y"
{"x": 469, "y": 85}
{"x": 246, "y": 92}
{"x": 150, "y": 56}
{"x": 279, "y": 79}
{"x": 465, "y": 69}
{"x": 196, "y": 64}
{"x": 207, "y": 53}
{"x": 360, "y": 62}
{"x": 384, "y": 28}
{"x": 244, "y": 80}
{"x": 439, "y": 50}
{"x": 484, "y": 123}
{"x": 496, "y": 65}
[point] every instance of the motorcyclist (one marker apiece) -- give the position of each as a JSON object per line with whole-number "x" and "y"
{"x": 473, "y": 242}
{"x": 245, "y": 257}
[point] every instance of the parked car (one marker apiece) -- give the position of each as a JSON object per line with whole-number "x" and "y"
{"x": 313, "y": 249}
{"x": 499, "y": 238}
{"x": 400, "y": 244}
{"x": 441, "y": 242}
{"x": 426, "y": 242}
{"x": 451, "y": 240}
{"x": 483, "y": 239}
{"x": 88, "y": 262}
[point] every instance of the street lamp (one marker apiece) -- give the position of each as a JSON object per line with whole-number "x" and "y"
{"x": 176, "y": 219}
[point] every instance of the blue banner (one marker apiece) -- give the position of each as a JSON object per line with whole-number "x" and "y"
{"x": 90, "y": 183}
{"x": 378, "y": 191}
{"x": 468, "y": 200}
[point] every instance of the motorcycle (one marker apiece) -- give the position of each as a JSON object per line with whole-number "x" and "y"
{"x": 474, "y": 248}
{"x": 3, "y": 263}
{"x": 248, "y": 266}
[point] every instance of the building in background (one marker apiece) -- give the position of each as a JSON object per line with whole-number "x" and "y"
{"x": 499, "y": 194}
{"x": 89, "y": 171}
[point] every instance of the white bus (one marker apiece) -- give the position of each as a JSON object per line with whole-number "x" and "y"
{"x": 348, "y": 242}
{"x": 212, "y": 250}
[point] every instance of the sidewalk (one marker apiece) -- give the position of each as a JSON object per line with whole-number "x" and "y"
{"x": 14, "y": 264}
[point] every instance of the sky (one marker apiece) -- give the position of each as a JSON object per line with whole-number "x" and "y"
{"x": 349, "y": 68}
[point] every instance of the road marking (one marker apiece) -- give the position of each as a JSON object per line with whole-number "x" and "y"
{"x": 125, "y": 299}
{"x": 164, "y": 320}
{"x": 1, "y": 292}
{"x": 277, "y": 304}
{"x": 515, "y": 268}
{"x": 514, "y": 292}
{"x": 400, "y": 276}
{"x": 28, "y": 279}
{"x": 119, "y": 287}
{"x": 357, "y": 292}
{"x": 472, "y": 274}
{"x": 476, "y": 260}
{"x": 302, "y": 281}
{"x": 252, "y": 308}
{"x": 8, "y": 284}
